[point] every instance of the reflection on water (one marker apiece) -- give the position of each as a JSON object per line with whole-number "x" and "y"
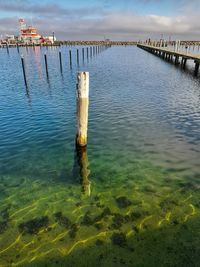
{"x": 132, "y": 197}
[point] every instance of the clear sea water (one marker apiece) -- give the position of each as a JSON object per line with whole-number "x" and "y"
{"x": 132, "y": 198}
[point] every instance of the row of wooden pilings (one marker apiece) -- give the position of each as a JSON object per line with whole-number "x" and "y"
{"x": 87, "y": 53}
{"x": 82, "y": 102}
{"x": 173, "y": 56}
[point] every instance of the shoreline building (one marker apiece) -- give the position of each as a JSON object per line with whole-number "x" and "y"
{"x": 28, "y": 34}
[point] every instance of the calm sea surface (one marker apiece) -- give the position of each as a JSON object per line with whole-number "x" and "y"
{"x": 132, "y": 198}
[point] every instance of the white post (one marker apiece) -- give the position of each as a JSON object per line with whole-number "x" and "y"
{"x": 82, "y": 107}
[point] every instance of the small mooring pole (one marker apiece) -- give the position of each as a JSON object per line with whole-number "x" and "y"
{"x": 7, "y": 49}
{"x": 83, "y": 54}
{"x": 70, "y": 58}
{"x": 24, "y": 72}
{"x": 87, "y": 53}
{"x": 17, "y": 48}
{"x": 82, "y": 107}
{"x": 46, "y": 65}
{"x": 77, "y": 53}
{"x": 60, "y": 59}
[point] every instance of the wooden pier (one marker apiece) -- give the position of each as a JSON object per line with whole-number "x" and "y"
{"x": 173, "y": 56}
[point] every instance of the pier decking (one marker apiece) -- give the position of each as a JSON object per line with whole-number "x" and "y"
{"x": 170, "y": 55}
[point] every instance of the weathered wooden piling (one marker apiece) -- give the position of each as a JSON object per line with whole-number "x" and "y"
{"x": 90, "y": 51}
{"x": 46, "y": 65}
{"x": 83, "y": 54}
{"x": 82, "y": 107}
{"x": 17, "y": 48}
{"x": 184, "y": 62}
{"x": 7, "y": 48}
{"x": 77, "y": 56}
{"x": 24, "y": 72}
{"x": 60, "y": 60}
{"x": 196, "y": 67}
{"x": 87, "y": 53}
{"x": 70, "y": 58}
{"x": 176, "y": 60}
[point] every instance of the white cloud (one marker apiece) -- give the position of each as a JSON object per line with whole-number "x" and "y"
{"x": 94, "y": 23}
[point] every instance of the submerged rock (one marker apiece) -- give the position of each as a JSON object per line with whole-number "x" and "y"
{"x": 33, "y": 226}
{"x": 123, "y": 202}
{"x": 4, "y": 213}
{"x": 87, "y": 220}
{"x": 62, "y": 220}
{"x": 99, "y": 242}
{"x": 106, "y": 212}
{"x": 73, "y": 230}
{"x": 3, "y": 226}
{"x": 136, "y": 215}
{"x": 117, "y": 221}
{"x": 99, "y": 226}
{"x": 119, "y": 239}
{"x": 168, "y": 203}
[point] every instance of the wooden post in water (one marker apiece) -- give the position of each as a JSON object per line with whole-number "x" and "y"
{"x": 196, "y": 67}
{"x": 83, "y": 54}
{"x": 60, "y": 59}
{"x": 17, "y": 48}
{"x": 70, "y": 58}
{"x": 24, "y": 72}
{"x": 81, "y": 165}
{"x": 82, "y": 107}
{"x": 7, "y": 48}
{"x": 46, "y": 65}
{"x": 77, "y": 55}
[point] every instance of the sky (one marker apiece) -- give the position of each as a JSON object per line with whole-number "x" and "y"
{"x": 99, "y": 19}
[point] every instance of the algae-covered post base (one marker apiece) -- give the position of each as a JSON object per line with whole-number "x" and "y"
{"x": 81, "y": 164}
{"x": 82, "y": 107}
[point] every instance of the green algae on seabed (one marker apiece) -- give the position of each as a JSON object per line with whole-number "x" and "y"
{"x": 144, "y": 218}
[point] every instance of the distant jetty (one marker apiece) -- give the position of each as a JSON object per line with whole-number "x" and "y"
{"x": 98, "y": 42}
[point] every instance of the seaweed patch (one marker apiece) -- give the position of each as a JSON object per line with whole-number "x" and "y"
{"x": 33, "y": 226}
{"x": 123, "y": 202}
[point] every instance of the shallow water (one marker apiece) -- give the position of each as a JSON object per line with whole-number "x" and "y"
{"x": 131, "y": 199}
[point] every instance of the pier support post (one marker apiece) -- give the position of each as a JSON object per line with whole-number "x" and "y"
{"x": 184, "y": 63}
{"x": 177, "y": 60}
{"x": 196, "y": 67}
{"x": 82, "y": 107}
